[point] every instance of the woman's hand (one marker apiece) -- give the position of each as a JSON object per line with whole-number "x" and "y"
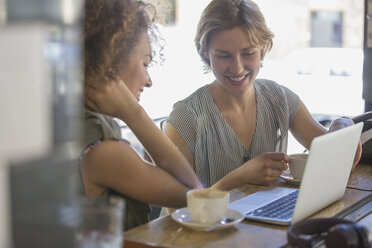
{"x": 111, "y": 97}
{"x": 343, "y": 122}
{"x": 340, "y": 123}
{"x": 266, "y": 168}
{"x": 262, "y": 170}
{"x": 358, "y": 155}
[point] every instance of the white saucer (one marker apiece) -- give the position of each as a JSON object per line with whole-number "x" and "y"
{"x": 183, "y": 217}
{"x": 289, "y": 178}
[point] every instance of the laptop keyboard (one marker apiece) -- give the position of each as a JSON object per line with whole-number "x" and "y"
{"x": 280, "y": 209}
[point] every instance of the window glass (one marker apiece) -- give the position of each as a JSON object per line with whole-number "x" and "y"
{"x": 317, "y": 53}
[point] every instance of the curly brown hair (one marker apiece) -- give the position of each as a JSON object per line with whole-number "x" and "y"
{"x": 112, "y": 29}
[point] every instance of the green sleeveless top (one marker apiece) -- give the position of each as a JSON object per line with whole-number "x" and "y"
{"x": 97, "y": 128}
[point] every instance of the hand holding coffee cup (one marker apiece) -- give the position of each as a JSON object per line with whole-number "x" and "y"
{"x": 207, "y": 206}
{"x": 297, "y": 165}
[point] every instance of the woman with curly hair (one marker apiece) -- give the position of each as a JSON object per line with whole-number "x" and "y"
{"x": 117, "y": 52}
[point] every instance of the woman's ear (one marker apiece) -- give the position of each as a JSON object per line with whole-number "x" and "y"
{"x": 206, "y": 54}
{"x": 262, "y": 53}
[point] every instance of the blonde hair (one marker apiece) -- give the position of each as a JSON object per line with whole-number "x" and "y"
{"x": 228, "y": 14}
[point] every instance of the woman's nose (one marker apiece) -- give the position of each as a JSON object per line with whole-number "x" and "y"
{"x": 236, "y": 66}
{"x": 149, "y": 82}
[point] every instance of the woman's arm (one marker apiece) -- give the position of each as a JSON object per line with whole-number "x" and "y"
{"x": 305, "y": 128}
{"x": 113, "y": 98}
{"x": 177, "y": 139}
{"x": 267, "y": 167}
{"x": 113, "y": 164}
{"x": 262, "y": 170}
{"x": 342, "y": 123}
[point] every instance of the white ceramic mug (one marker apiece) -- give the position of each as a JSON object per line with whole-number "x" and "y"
{"x": 297, "y": 165}
{"x": 207, "y": 206}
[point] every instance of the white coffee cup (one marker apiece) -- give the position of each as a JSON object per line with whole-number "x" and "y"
{"x": 207, "y": 206}
{"x": 297, "y": 165}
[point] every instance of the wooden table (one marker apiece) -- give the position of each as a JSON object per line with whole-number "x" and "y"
{"x": 165, "y": 232}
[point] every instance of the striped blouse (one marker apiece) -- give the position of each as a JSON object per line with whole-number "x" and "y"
{"x": 216, "y": 147}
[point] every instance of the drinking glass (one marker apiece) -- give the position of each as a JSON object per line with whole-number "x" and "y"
{"x": 100, "y": 223}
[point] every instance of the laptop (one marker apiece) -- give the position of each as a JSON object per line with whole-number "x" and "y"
{"x": 324, "y": 182}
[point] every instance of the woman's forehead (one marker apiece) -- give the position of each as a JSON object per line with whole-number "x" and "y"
{"x": 236, "y": 38}
{"x": 143, "y": 45}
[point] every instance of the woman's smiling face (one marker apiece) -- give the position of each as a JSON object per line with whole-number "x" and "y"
{"x": 235, "y": 62}
{"x": 135, "y": 74}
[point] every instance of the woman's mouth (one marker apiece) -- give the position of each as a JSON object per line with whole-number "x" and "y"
{"x": 237, "y": 80}
{"x": 139, "y": 94}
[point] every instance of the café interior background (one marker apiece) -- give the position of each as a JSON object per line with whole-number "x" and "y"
{"x": 300, "y": 28}
{"x": 41, "y": 94}
{"x": 295, "y": 23}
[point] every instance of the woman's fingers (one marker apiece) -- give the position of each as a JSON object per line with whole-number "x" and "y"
{"x": 278, "y": 156}
{"x": 91, "y": 104}
{"x": 358, "y": 154}
{"x": 91, "y": 97}
{"x": 279, "y": 165}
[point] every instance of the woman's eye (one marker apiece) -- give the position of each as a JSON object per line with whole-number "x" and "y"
{"x": 150, "y": 64}
{"x": 248, "y": 54}
{"x": 147, "y": 64}
{"x": 222, "y": 56}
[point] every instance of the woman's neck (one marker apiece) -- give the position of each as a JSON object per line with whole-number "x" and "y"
{"x": 229, "y": 102}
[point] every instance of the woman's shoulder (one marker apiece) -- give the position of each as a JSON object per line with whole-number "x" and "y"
{"x": 194, "y": 101}
{"x": 277, "y": 96}
{"x": 266, "y": 84}
{"x": 196, "y": 95}
{"x": 99, "y": 127}
{"x": 272, "y": 90}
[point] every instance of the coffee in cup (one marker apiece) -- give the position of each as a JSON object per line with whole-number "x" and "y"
{"x": 297, "y": 165}
{"x": 207, "y": 206}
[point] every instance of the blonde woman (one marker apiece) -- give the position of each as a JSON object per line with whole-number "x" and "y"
{"x": 234, "y": 130}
